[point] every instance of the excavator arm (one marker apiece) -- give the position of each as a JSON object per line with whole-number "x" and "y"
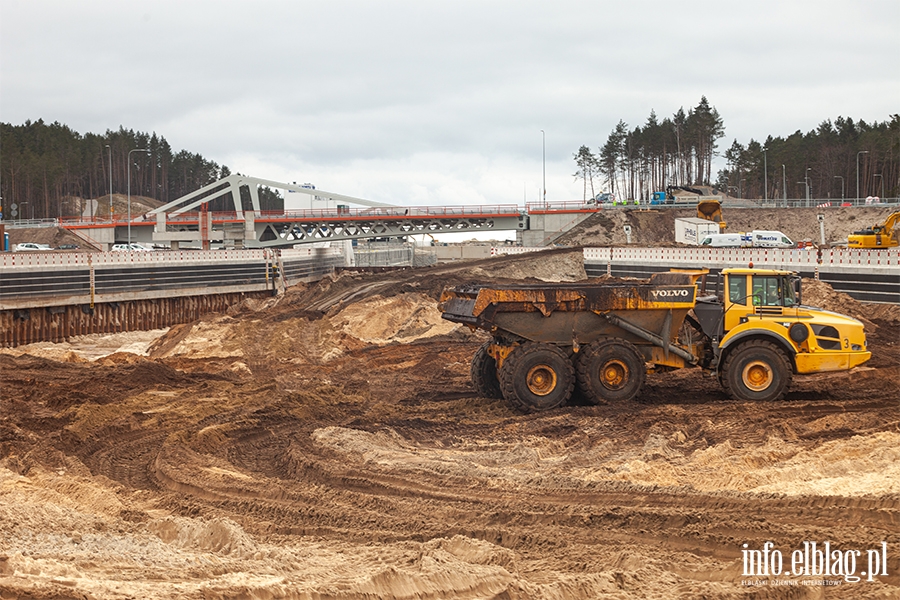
{"x": 671, "y": 196}
{"x": 887, "y": 228}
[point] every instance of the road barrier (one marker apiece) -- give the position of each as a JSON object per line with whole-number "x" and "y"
{"x": 53, "y": 296}
{"x": 866, "y": 275}
{"x": 503, "y": 250}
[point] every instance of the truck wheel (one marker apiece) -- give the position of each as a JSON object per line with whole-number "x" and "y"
{"x": 537, "y": 377}
{"x": 611, "y": 370}
{"x": 484, "y": 374}
{"x": 756, "y": 370}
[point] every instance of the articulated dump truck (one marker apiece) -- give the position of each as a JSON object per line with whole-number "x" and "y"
{"x": 750, "y": 330}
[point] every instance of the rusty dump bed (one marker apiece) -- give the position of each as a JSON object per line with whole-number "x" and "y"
{"x": 561, "y": 313}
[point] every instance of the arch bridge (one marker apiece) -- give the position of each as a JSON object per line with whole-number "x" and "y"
{"x": 184, "y": 221}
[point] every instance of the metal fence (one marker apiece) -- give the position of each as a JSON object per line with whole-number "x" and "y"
{"x": 386, "y": 255}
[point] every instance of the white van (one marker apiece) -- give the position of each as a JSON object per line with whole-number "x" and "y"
{"x": 770, "y": 239}
{"x": 724, "y": 240}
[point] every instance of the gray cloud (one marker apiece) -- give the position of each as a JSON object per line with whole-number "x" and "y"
{"x": 437, "y": 101}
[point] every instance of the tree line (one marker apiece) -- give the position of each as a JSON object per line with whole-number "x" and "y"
{"x": 827, "y": 162}
{"x": 678, "y": 151}
{"x": 42, "y": 165}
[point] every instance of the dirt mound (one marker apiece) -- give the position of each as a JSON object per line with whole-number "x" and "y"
{"x": 329, "y": 444}
{"x": 657, "y": 227}
{"x": 53, "y": 236}
{"x": 821, "y": 294}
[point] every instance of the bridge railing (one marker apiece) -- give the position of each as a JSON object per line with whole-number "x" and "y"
{"x": 385, "y": 212}
{"x": 538, "y": 208}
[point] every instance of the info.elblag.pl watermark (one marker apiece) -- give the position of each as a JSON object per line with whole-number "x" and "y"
{"x": 827, "y": 564}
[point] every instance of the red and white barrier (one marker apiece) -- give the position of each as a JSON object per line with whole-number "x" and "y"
{"x": 502, "y": 250}
{"x": 760, "y": 257}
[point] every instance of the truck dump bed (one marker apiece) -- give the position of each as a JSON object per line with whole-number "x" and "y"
{"x": 578, "y": 313}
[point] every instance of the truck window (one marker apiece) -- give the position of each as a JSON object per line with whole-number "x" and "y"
{"x": 767, "y": 291}
{"x": 788, "y": 287}
{"x": 737, "y": 289}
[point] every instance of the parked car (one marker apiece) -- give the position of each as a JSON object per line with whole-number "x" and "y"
{"x": 30, "y": 246}
{"x": 132, "y": 247}
{"x": 602, "y": 198}
{"x": 67, "y": 247}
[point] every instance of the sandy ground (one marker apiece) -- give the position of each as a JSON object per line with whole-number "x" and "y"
{"x": 328, "y": 444}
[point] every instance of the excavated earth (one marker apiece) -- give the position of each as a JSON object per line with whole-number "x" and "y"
{"x": 327, "y": 444}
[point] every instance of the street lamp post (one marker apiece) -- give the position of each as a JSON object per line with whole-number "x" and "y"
{"x": 784, "y": 185}
{"x": 766, "y": 176}
{"x": 882, "y": 183}
{"x": 544, "y": 163}
{"x": 842, "y": 186}
{"x": 129, "y": 191}
{"x": 806, "y": 183}
{"x": 110, "y": 182}
{"x": 857, "y": 172}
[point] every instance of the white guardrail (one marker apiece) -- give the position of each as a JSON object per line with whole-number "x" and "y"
{"x": 30, "y": 280}
{"x": 760, "y": 257}
{"x": 731, "y": 256}
{"x": 502, "y": 250}
{"x": 64, "y": 259}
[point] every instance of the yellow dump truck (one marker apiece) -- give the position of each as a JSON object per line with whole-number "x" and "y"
{"x": 711, "y": 210}
{"x": 750, "y": 329}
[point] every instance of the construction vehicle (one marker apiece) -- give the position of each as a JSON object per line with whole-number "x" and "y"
{"x": 752, "y": 332}
{"x": 881, "y": 235}
{"x": 711, "y": 210}
{"x": 669, "y": 197}
{"x": 692, "y": 230}
{"x": 754, "y": 239}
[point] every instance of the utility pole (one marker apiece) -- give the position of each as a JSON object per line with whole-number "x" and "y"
{"x": 129, "y": 191}
{"x": 110, "y": 182}
{"x": 857, "y": 172}
{"x": 806, "y": 177}
{"x": 544, "y": 162}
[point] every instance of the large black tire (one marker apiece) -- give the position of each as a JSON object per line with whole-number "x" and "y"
{"x": 537, "y": 377}
{"x": 756, "y": 370}
{"x": 610, "y": 371}
{"x": 484, "y": 374}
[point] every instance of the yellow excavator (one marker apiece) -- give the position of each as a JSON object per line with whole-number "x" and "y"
{"x": 881, "y": 235}
{"x": 711, "y": 210}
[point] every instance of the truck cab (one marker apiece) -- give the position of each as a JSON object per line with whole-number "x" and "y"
{"x": 765, "y": 304}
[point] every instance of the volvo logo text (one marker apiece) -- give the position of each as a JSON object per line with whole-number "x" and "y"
{"x": 670, "y": 293}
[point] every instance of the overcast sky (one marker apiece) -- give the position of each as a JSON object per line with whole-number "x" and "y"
{"x": 418, "y": 102}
